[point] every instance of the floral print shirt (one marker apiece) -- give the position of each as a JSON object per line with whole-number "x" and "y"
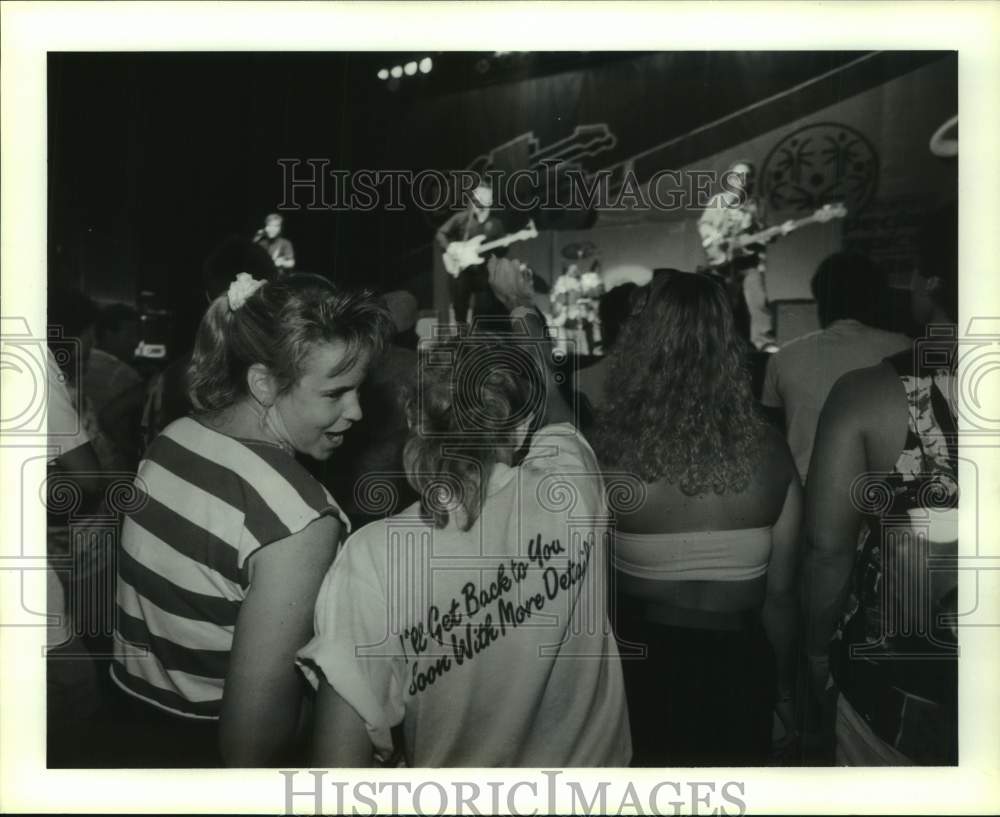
{"x": 897, "y": 640}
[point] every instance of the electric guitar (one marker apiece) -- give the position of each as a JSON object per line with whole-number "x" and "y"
{"x": 462, "y": 254}
{"x": 722, "y": 251}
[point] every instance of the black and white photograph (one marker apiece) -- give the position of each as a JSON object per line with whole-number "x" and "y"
{"x": 604, "y": 416}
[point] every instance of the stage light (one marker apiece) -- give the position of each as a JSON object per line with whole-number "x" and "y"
{"x": 383, "y": 73}
{"x": 410, "y": 69}
{"x": 397, "y": 71}
{"x": 426, "y": 64}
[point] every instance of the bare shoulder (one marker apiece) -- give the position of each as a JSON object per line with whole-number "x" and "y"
{"x": 870, "y": 404}
{"x": 862, "y": 395}
{"x": 319, "y": 536}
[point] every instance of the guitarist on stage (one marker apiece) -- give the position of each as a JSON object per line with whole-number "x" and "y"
{"x": 473, "y": 282}
{"x": 729, "y": 215}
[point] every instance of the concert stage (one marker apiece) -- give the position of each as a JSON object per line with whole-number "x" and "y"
{"x": 631, "y": 252}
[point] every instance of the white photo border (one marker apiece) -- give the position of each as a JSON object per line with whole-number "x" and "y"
{"x": 30, "y": 29}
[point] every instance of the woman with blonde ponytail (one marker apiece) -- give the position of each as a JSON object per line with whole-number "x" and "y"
{"x": 230, "y": 536}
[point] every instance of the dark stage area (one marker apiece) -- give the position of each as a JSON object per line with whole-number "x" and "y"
{"x": 155, "y": 157}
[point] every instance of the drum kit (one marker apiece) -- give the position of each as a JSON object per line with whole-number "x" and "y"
{"x": 579, "y": 251}
{"x": 574, "y": 299}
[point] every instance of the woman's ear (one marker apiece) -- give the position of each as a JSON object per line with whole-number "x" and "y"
{"x": 261, "y": 385}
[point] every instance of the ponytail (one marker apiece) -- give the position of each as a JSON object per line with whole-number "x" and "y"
{"x": 276, "y": 324}
{"x": 209, "y": 381}
{"x": 462, "y": 423}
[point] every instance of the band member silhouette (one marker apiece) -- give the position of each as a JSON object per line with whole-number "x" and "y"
{"x": 278, "y": 247}
{"x": 472, "y": 283}
{"x": 733, "y": 213}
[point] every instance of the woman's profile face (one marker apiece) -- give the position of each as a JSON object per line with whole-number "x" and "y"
{"x": 322, "y": 406}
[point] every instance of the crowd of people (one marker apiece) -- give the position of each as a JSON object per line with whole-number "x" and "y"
{"x": 345, "y": 550}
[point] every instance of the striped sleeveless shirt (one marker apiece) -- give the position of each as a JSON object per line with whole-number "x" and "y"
{"x": 207, "y": 502}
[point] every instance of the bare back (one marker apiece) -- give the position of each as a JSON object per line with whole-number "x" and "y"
{"x": 668, "y": 510}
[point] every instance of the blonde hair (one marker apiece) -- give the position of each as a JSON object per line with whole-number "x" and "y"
{"x": 278, "y": 326}
{"x": 472, "y": 396}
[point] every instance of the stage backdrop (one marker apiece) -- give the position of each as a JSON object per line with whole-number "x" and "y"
{"x": 191, "y": 144}
{"x": 856, "y": 133}
{"x": 869, "y": 151}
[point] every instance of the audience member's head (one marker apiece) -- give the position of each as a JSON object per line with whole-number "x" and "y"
{"x": 262, "y": 342}
{"x": 475, "y": 401}
{"x": 118, "y": 331}
{"x": 678, "y": 404}
{"x": 934, "y": 284}
{"x": 848, "y": 285}
{"x": 613, "y": 310}
{"x": 402, "y": 305}
{"x": 72, "y": 319}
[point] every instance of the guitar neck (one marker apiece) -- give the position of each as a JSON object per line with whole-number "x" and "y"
{"x": 767, "y": 233}
{"x": 503, "y": 242}
{"x": 802, "y": 222}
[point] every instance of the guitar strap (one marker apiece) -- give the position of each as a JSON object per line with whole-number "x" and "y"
{"x": 470, "y": 219}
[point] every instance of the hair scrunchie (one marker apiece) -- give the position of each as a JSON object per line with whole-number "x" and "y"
{"x": 242, "y": 288}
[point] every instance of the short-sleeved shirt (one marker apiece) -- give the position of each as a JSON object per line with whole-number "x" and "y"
{"x": 206, "y": 503}
{"x": 801, "y": 374}
{"x": 491, "y": 646}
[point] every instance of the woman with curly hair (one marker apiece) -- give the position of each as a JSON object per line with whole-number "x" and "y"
{"x": 705, "y": 563}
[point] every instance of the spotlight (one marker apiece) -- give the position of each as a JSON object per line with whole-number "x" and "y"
{"x": 426, "y": 64}
{"x": 397, "y": 71}
{"x": 410, "y": 69}
{"x": 383, "y": 73}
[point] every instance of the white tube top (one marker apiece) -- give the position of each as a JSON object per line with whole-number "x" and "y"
{"x": 722, "y": 556}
